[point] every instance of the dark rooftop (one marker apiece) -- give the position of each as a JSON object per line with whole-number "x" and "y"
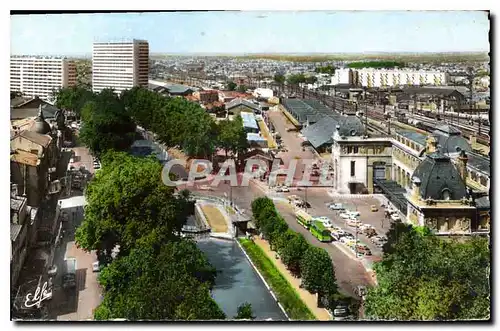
{"x": 479, "y": 162}
{"x": 416, "y": 137}
{"x": 438, "y": 174}
{"x": 434, "y": 91}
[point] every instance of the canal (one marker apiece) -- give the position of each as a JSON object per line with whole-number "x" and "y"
{"x": 237, "y": 282}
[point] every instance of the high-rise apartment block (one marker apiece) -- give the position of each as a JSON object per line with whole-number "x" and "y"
{"x": 40, "y": 76}
{"x": 120, "y": 65}
{"x": 369, "y": 77}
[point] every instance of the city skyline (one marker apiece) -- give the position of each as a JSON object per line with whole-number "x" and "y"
{"x": 256, "y": 32}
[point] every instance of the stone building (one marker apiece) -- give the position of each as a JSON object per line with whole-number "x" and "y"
{"x": 440, "y": 199}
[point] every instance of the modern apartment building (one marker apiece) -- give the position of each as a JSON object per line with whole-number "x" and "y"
{"x": 369, "y": 77}
{"x": 120, "y": 65}
{"x": 40, "y": 76}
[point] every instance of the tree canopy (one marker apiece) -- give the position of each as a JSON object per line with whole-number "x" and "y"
{"x": 424, "y": 277}
{"x": 106, "y": 124}
{"x": 296, "y": 79}
{"x": 245, "y": 312}
{"x": 279, "y": 78}
{"x": 231, "y": 86}
{"x": 231, "y": 135}
{"x": 170, "y": 281}
{"x": 73, "y": 98}
{"x": 312, "y": 264}
{"x": 176, "y": 121}
{"x": 126, "y": 201}
{"x": 328, "y": 69}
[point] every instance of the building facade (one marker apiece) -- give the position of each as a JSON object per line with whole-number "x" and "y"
{"x": 357, "y": 161}
{"x": 120, "y": 65}
{"x": 40, "y": 76}
{"x": 369, "y": 77}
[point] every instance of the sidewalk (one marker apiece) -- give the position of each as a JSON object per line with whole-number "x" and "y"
{"x": 308, "y": 298}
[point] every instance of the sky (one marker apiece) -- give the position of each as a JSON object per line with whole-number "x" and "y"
{"x": 255, "y": 32}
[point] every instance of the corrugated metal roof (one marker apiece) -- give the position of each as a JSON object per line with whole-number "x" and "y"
{"x": 416, "y": 137}
{"x": 479, "y": 162}
{"x": 24, "y": 157}
{"x": 255, "y": 137}
{"x": 40, "y": 139}
{"x": 249, "y": 120}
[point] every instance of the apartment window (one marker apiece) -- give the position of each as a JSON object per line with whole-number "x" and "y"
{"x": 356, "y": 150}
{"x": 349, "y": 150}
{"x": 353, "y": 168}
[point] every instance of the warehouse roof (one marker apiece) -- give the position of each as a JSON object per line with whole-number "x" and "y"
{"x": 479, "y": 162}
{"x": 416, "y": 137}
{"x": 249, "y": 120}
{"x": 255, "y": 137}
{"x": 443, "y": 92}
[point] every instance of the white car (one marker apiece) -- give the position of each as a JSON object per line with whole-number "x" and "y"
{"x": 336, "y": 206}
{"x": 395, "y": 217}
{"x": 325, "y": 220}
{"x": 285, "y": 189}
{"x": 353, "y": 213}
{"x": 345, "y": 216}
{"x": 365, "y": 227}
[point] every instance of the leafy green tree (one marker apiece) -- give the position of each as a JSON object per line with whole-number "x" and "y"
{"x": 245, "y": 312}
{"x": 279, "y": 78}
{"x": 395, "y": 232}
{"x": 231, "y": 86}
{"x": 164, "y": 281}
{"x": 328, "y": 69}
{"x": 232, "y": 136}
{"x": 293, "y": 251}
{"x": 145, "y": 106}
{"x": 311, "y": 79}
{"x": 106, "y": 124}
{"x": 318, "y": 274}
{"x": 424, "y": 277}
{"x": 126, "y": 201}
{"x": 296, "y": 79}
{"x": 242, "y": 88}
{"x": 73, "y": 98}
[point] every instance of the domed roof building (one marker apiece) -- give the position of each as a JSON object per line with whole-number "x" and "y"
{"x": 450, "y": 140}
{"x": 41, "y": 126}
{"x": 439, "y": 198}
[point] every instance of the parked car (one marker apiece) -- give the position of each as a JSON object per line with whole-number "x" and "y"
{"x": 279, "y": 189}
{"x": 354, "y": 222}
{"x": 285, "y": 189}
{"x": 336, "y": 206}
{"x": 325, "y": 220}
{"x": 353, "y": 213}
{"x": 395, "y": 217}
{"x": 345, "y": 216}
{"x": 373, "y": 208}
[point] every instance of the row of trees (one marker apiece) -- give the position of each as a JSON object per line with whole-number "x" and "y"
{"x": 109, "y": 121}
{"x": 156, "y": 274}
{"x": 424, "y": 277}
{"x": 328, "y": 69}
{"x": 311, "y": 263}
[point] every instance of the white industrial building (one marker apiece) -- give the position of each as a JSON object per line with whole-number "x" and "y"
{"x": 40, "y": 76}
{"x": 263, "y": 93}
{"x": 369, "y": 77}
{"x": 120, "y": 65}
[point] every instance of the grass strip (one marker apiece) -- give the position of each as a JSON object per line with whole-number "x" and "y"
{"x": 287, "y": 296}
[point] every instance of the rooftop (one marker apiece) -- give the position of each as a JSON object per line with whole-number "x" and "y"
{"x": 479, "y": 162}
{"x": 40, "y": 139}
{"x": 255, "y": 137}
{"x": 416, "y": 137}
{"x": 23, "y": 157}
{"x": 15, "y": 229}
{"x": 17, "y": 202}
{"x": 249, "y": 120}
{"x": 239, "y": 101}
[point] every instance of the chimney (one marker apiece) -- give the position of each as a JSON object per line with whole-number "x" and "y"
{"x": 416, "y": 188}
{"x": 431, "y": 145}
{"x": 462, "y": 165}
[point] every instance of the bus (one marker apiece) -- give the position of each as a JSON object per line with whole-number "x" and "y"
{"x": 320, "y": 232}
{"x": 303, "y": 218}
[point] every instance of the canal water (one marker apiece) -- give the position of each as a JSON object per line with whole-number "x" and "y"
{"x": 237, "y": 282}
